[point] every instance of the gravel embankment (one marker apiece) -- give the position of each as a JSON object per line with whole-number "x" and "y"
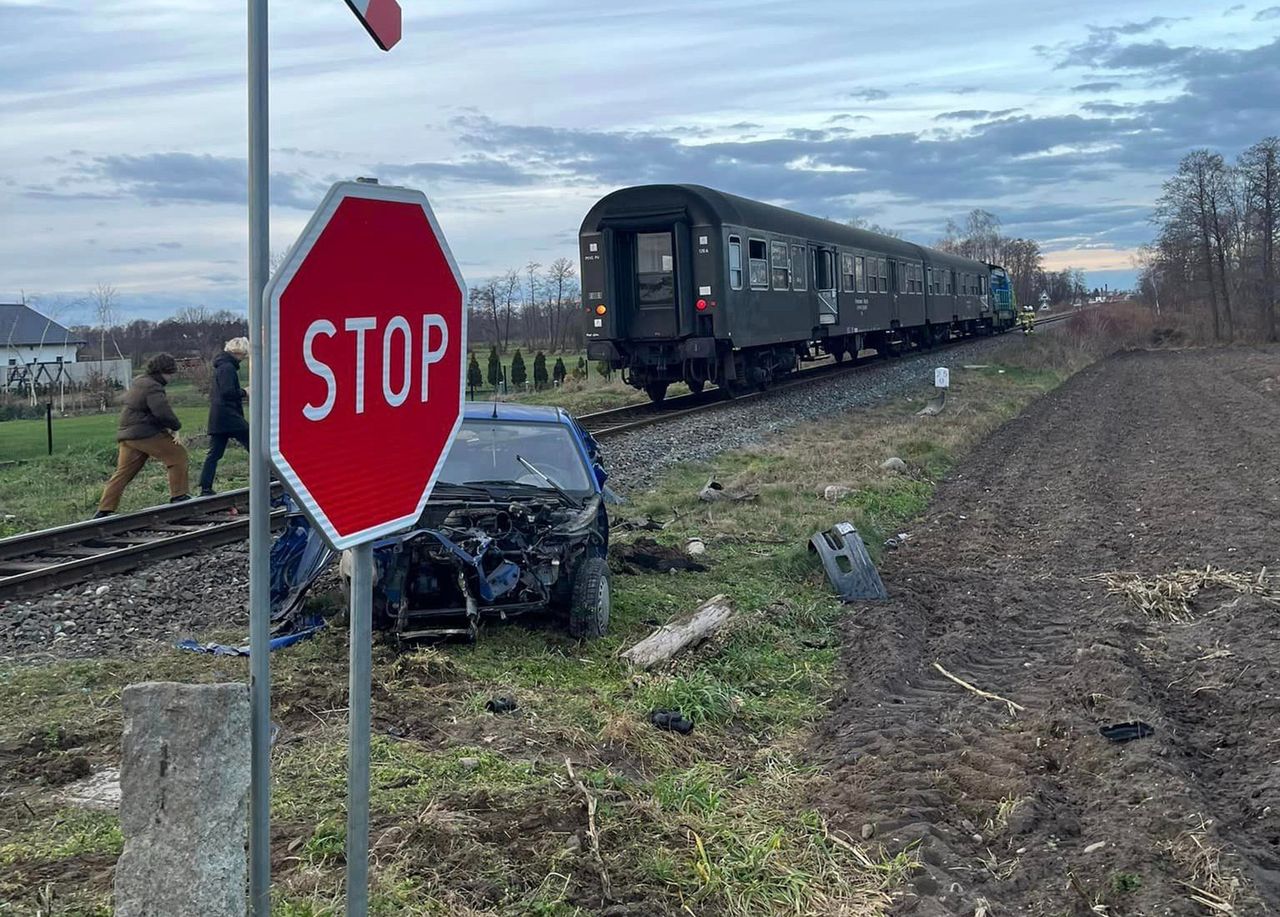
{"x": 167, "y": 601}
{"x": 117, "y": 614}
{"x": 637, "y": 460}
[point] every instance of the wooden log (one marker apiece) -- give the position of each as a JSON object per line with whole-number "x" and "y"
{"x": 686, "y": 631}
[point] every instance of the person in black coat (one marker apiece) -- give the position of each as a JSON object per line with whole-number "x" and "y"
{"x": 226, "y": 409}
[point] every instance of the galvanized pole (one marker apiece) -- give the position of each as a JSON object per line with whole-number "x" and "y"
{"x": 358, "y": 731}
{"x": 259, "y": 476}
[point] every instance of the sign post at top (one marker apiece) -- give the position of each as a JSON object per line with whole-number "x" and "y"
{"x": 381, "y": 19}
{"x": 367, "y": 342}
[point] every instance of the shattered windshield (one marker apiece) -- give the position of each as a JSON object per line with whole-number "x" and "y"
{"x": 485, "y": 452}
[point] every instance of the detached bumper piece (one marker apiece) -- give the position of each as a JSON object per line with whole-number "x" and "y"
{"x": 848, "y": 564}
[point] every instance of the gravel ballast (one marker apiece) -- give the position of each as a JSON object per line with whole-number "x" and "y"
{"x": 166, "y": 601}
{"x": 638, "y": 459}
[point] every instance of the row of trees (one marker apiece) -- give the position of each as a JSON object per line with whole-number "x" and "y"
{"x": 1215, "y": 251}
{"x": 981, "y": 239}
{"x": 495, "y": 373}
{"x": 537, "y": 306}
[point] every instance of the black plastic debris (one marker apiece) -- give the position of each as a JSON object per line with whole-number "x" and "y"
{"x": 1126, "y": 732}
{"x": 848, "y": 564}
{"x": 644, "y": 555}
{"x": 501, "y": 705}
{"x": 672, "y": 721}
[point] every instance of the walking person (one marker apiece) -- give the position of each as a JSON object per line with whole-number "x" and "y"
{"x": 146, "y": 431}
{"x": 226, "y": 409}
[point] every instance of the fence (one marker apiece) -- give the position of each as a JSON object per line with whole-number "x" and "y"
{"x": 44, "y": 377}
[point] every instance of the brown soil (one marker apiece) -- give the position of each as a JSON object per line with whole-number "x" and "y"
{"x": 49, "y": 759}
{"x": 1148, "y": 462}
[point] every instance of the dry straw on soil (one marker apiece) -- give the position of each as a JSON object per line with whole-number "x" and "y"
{"x": 1169, "y": 595}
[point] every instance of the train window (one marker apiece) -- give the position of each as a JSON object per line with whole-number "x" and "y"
{"x": 903, "y": 272}
{"x": 781, "y": 265}
{"x": 884, "y": 275}
{"x": 861, "y": 264}
{"x": 735, "y": 263}
{"x": 655, "y": 269}
{"x": 982, "y": 285}
{"x": 848, "y": 283}
{"x": 799, "y": 269}
{"x": 758, "y": 264}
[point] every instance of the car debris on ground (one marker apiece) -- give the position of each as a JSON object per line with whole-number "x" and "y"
{"x": 714, "y": 492}
{"x": 848, "y": 565}
{"x": 644, "y": 555}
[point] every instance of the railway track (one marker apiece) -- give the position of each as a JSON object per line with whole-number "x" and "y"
{"x": 38, "y": 562}
{"x": 604, "y": 424}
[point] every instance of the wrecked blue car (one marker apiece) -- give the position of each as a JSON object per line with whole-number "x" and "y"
{"x": 516, "y": 524}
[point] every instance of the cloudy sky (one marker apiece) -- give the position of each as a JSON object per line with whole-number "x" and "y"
{"x": 122, "y": 149}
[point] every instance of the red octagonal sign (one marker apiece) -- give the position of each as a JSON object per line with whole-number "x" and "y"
{"x": 367, "y": 336}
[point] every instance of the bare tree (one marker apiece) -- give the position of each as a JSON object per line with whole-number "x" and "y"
{"x": 559, "y": 278}
{"x": 864, "y": 223}
{"x": 982, "y": 236}
{"x": 1260, "y": 181}
{"x": 103, "y": 299}
{"x": 1193, "y": 205}
{"x": 506, "y": 292}
{"x": 531, "y": 315}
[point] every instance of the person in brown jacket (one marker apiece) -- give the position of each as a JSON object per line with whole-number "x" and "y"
{"x": 147, "y": 425}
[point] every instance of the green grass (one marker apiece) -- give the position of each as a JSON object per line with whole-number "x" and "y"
{"x": 28, "y": 439}
{"x": 474, "y": 814}
{"x": 66, "y": 486}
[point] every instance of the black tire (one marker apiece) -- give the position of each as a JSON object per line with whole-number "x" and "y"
{"x": 657, "y": 391}
{"x": 592, "y": 598}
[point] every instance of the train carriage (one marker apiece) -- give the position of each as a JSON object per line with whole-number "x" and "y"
{"x": 685, "y": 283}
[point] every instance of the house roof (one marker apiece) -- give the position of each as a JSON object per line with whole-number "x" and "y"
{"x": 21, "y": 325}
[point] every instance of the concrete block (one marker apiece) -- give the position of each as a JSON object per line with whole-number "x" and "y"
{"x": 184, "y": 780}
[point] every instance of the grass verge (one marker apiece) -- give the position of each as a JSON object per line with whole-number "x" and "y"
{"x": 476, "y": 814}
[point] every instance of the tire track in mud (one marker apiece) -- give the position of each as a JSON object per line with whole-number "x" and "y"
{"x": 1146, "y": 462}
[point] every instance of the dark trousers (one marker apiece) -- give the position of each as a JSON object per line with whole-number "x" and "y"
{"x": 217, "y": 446}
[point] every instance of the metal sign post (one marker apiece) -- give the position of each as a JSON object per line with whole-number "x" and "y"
{"x": 382, "y": 20}
{"x": 358, "y": 718}
{"x": 259, "y": 479}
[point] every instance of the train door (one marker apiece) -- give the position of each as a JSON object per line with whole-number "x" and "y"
{"x": 824, "y": 284}
{"x": 895, "y": 312}
{"x": 655, "y": 285}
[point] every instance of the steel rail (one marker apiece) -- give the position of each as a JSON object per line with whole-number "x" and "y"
{"x": 35, "y": 562}
{"x": 75, "y": 533}
{"x": 67, "y": 572}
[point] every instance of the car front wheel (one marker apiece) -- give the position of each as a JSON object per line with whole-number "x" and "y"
{"x": 589, "y": 607}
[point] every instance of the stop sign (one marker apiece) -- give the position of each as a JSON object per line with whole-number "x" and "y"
{"x": 367, "y": 336}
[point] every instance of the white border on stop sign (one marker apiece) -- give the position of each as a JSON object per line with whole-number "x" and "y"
{"x": 271, "y": 302}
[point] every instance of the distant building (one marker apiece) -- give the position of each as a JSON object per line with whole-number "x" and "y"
{"x": 27, "y": 337}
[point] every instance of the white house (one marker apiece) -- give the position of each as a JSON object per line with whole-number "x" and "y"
{"x": 27, "y": 337}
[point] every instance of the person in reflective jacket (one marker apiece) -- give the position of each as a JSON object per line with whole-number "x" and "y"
{"x": 226, "y": 409}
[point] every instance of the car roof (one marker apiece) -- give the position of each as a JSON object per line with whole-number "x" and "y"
{"x": 505, "y": 410}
